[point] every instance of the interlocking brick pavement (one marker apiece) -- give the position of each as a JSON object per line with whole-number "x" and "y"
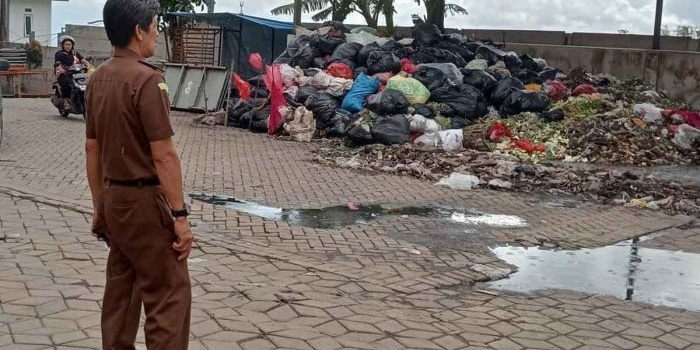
{"x": 265, "y": 284}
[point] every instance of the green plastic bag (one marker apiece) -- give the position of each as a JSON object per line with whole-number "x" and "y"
{"x": 412, "y": 89}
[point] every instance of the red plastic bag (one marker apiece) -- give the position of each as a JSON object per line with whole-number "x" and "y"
{"x": 339, "y": 70}
{"x": 256, "y": 61}
{"x": 273, "y": 81}
{"x": 383, "y": 77}
{"x": 554, "y": 89}
{"x": 584, "y": 89}
{"x": 691, "y": 118}
{"x": 408, "y": 66}
{"x": 527, "y": 146}
{"x": 242, "y": 86}
{"x": 498, "y": 131}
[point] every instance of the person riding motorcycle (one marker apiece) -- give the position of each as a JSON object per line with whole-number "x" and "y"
{"x": 66, "y": 57}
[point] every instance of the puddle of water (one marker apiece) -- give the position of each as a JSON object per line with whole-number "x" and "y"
{"x": 623, "y": 270}
{"x": 340, "y": 216}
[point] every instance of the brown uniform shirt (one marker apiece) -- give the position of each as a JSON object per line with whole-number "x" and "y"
{"x": 127, "y": 106}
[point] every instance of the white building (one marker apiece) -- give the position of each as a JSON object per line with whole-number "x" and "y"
{"x": 25, "y": 16}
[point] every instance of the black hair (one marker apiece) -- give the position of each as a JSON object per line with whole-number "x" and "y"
{"x": 121, "y": 17}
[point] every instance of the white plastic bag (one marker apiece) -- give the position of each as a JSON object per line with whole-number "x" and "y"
{"x": 649, "y": 113}
{"x": 327, "y": 83}
{"x": 427, "y": 140}
{"x": 290, "y": 75}
{"x": 418, "y": 123}
{"x": 451, "y": 140}
{"x": 459, "y": 181}
{"x": 365, "y": 38}
{"x": 687, "y": 137}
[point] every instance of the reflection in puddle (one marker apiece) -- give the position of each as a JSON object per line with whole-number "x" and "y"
{"x": 339, "y": 216}
{"x": 623, "y": 270}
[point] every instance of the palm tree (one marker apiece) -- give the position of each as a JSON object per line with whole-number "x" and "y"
{"x": 437, "y": 10}
{"x": 337, "y": 10}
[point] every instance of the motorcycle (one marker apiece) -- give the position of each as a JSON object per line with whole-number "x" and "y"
{"x": 79, "y": 79}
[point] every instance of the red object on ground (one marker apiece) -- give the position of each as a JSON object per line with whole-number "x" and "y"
{"x": 555, "y": 90}
{"x": 339, "y": 70}
{"x": 527, "y": 146}
{"x": 353, "y": 206}
{"x": 691, "y": 118}
{"x": 497, "y": 131}
{"x": 584, "y": 89}
{"x": 256, "y": 61}
{"x": 383, "y": 77}
{"x": 242, "y": 86}
{"x": 408, "y": 66}
{"x": 273, "y": 81}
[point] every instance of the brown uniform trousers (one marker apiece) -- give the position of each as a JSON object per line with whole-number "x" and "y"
{"x": 143, "y": 267}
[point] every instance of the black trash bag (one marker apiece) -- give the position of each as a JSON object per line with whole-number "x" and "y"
{"x": 505, "y": 87}
{"x": 524, "y": 101}
{"x": 291, "y": 100}
{"x": 396, "y": 48}
{"x": 391, "y": 130}
{"x": 326, "y": 44}
{"x": 341, "y": 122}
{"x": 357, "y": 71}
{"x": 320, "y": 63}
{"x": 554, "y": 115}
{"x": 490, "y": 54}
{"x": 363, "y": 54}
{"x": 526, "y": 76}
{"x": 292, "y": 48}
{"x": 454, "y": 39}
{"x": 346, "y": 51}
{"x": 435, "y": 76}
{"x": 304, "y": 93}
{"x": 463, "y": 102}
{"x": 261, "y": 114}
{"x": 423, "y": 110}
{"x": 425, "y": 34}
{"x": 360, "y": 135}
{"x": 346, "y": 62}
{"x": 255, "y": 81}
{"x": 337, "y": 25}
{"x": 382, "y": 62}
{"x": 259, "y": 92}
{"x": 479, "y": 79}
{"x": 549, "y": 73}
{"x": 388, "y": 102}
{"x": 304, "y": 58}
{"x": 462, "y": 51}
{"x": 323, "y": 106}
{"x": 529, "y": 63}
{"x": 444, "y": 56}
{"x": 236, "y": 110}
{"x": 259, "y": 125}
{"x": 420, "y": 56}
{"x": 473, "y": 45}
{"x": 245, "y": 119}
{"x": 512, "y": 61}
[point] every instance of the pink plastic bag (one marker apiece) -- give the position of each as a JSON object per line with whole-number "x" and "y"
{"x": 256, "y": 61}
{"x": 275, "y": 84}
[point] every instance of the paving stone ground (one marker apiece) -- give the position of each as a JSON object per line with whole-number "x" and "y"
{"x": 264, "y": 284}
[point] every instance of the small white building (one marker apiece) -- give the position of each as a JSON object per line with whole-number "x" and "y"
{"x": 27, "y": 16}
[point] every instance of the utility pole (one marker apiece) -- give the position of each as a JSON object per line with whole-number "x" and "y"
{"x": 657, "y": 24}
{"x": 297, "y": 12}
{"x": 3, "y": 21}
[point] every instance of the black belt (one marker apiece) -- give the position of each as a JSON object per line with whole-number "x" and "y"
{"x": 134, "y": 183}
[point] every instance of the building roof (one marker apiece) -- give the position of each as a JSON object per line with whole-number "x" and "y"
{"x": 227, "y": 19}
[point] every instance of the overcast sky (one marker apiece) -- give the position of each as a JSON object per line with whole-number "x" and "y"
{"x": 637, "y": 16}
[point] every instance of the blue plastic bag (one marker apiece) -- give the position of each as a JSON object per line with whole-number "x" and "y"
{"x": 363, "y": 86}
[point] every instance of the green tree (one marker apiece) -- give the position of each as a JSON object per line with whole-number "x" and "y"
{"x": 437, "y": 10}
{"x": 35, "y": 54}
{"x": 338, "y": 10}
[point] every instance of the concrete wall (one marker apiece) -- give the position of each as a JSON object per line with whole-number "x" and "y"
{"x": 94, "y": 39}
{"x": 518, "y": 36}
{"x": 41, "y": 20}
{"x": 629, "y": 41}
{"x": 678, "y": 73}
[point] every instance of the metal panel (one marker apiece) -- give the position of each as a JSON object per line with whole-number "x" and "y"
{"x": 212, "y": 88}
{"x": 186, "y": 94}
{"x": 197, "y": 88}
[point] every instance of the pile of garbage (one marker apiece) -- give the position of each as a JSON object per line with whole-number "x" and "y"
{"x": 446, "y": 91}
{"x": 470, "y": 169}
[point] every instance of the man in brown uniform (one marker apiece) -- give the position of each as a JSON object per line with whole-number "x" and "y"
{"x": 135, "y": 177}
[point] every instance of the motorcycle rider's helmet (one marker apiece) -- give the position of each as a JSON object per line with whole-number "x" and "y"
{"x": 67, "y": 38}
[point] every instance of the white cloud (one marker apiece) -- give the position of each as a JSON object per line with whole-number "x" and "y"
{"x": 637, "y": 16}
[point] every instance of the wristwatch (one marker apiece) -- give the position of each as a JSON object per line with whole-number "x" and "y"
{"x": 185, "y": 211}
